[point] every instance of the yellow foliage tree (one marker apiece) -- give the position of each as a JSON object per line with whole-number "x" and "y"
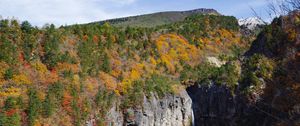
{"x": 173, "y": 48}
{"x": 3, "y": 68}
{"x": 11, "y": 91}
{"x": 21, "y": 79}
{"x": 39, "y": 66}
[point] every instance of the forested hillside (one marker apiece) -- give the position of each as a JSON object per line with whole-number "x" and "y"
{"x": 156, "y": 19}
{"x": 61, "y": 76}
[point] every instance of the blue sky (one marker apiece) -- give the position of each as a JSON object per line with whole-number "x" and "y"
{"x": 62, "y": 12}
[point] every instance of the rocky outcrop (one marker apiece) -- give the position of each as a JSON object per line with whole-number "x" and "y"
{"x": 172, "y": 110}
{"x": 212, "y": 105}
{"x": 217, "y": 105}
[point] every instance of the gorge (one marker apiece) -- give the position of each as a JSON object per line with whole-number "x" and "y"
{"x": 189, "y": 68}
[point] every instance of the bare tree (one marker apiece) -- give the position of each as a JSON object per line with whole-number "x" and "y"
{"x": 282, "y": 7}
{"x": 255, "y": 14}
{"x": 295, "y": 4}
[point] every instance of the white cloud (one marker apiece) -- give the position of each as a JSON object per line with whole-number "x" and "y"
{"x": 61, "y": 12}
{"x": 123, "y": 1}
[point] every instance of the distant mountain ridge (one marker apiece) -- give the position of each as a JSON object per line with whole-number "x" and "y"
{"x": 156, "y": 19}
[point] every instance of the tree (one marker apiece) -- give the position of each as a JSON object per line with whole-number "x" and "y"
{"x": 53, "y": 99}
{"x": 29, "y": 46}
{"x": 134, "y": 97}
{"x": 48, "y": 105}
{"x": 26, "y": 27}
{"x": 8, "y": 74}
{"x": 90, "y": 54}
{"x": 104, "y": 100}
{"x": 4, "y": 25}
{"x": 10, "y": 115}
{"x": 51, "y": 47}
{"x": 8, "y": 51}
{"x": 34, "y": 106}
{"x": 122, "y": 38}
{"x": 282, "y": 7}
{"x": 106, "y": 64}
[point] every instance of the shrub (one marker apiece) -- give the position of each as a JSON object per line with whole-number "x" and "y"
{"x": 255, "y": 68}
{"x": 104, "y": 100}
{"x": 8, "y": 74}
{"x": 158, "y": 84}
{"x": 134, "y": 97}
{"x": 201, "y": 73}
{"x": 227, "y": 75}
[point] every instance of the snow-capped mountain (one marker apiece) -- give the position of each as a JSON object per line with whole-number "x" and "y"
{"x": 251, "y": 22}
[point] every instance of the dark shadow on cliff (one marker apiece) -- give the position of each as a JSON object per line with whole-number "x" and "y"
{"x": 212, "y": 106}
{"x": 217, "y": 106}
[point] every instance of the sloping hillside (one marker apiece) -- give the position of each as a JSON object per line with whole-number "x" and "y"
{"x": 156, "y": 19}
{"x": 272, "y": 68}
{"x": 70, "y": 75}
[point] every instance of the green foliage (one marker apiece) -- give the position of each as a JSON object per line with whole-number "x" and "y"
{"x": 272, "y": 39}
{"x": 9, "y": 116}
{"x": 201, "y": 73}
{"x": 67, "y": 58}
{"x": 29, "y": 47}
{"x": 48, "y": 106}
{"x": 158, "y": 84}
{"x": 106, "y": 64}
{"x": 26, "y": 27}
{"x": 134, "y": 97}
{"x": 53, "y": 99}
{"x": 237, "y": 52}
{"x": 11, "y": 120}
{"x": 77, "y": 111}
{"x": 104, "y": 100}
{"x": 13, "y": 103}
{"x": 34, "y": 106}
{"x": 7, "y": 50}
{"x": 205, "y": 74}
{"x": 255, "y": 68}
{"x": 90, "y": 55}
{"x": 122, "y": 38}
{"x": 198, "y": 25}
{"x": 8, "y": 74}
{"x": 227, "y": 75}
{"x": 51, "y": 47}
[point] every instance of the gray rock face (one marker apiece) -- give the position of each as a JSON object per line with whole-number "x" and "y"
{"x": 213, "y": 105}
{"x": 172, "y": 110}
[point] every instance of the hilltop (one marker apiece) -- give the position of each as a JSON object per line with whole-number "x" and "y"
{"x": 156, "y": 19}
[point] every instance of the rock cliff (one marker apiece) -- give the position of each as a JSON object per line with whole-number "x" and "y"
{"x": 171, "y": 110}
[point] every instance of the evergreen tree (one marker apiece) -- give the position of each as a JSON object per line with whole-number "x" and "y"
{"x": 34, "y": 106}
{"x": 122, "y": 38}
{"x": 26, "y": 27}
{"x": 10, "y": 115}
{"x": 48, "y": 105}
{"x": 106, "y": 64}
{"x": 7, "y": 50}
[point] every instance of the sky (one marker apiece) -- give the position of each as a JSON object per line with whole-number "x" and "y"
{"x": 66, "y": 12}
